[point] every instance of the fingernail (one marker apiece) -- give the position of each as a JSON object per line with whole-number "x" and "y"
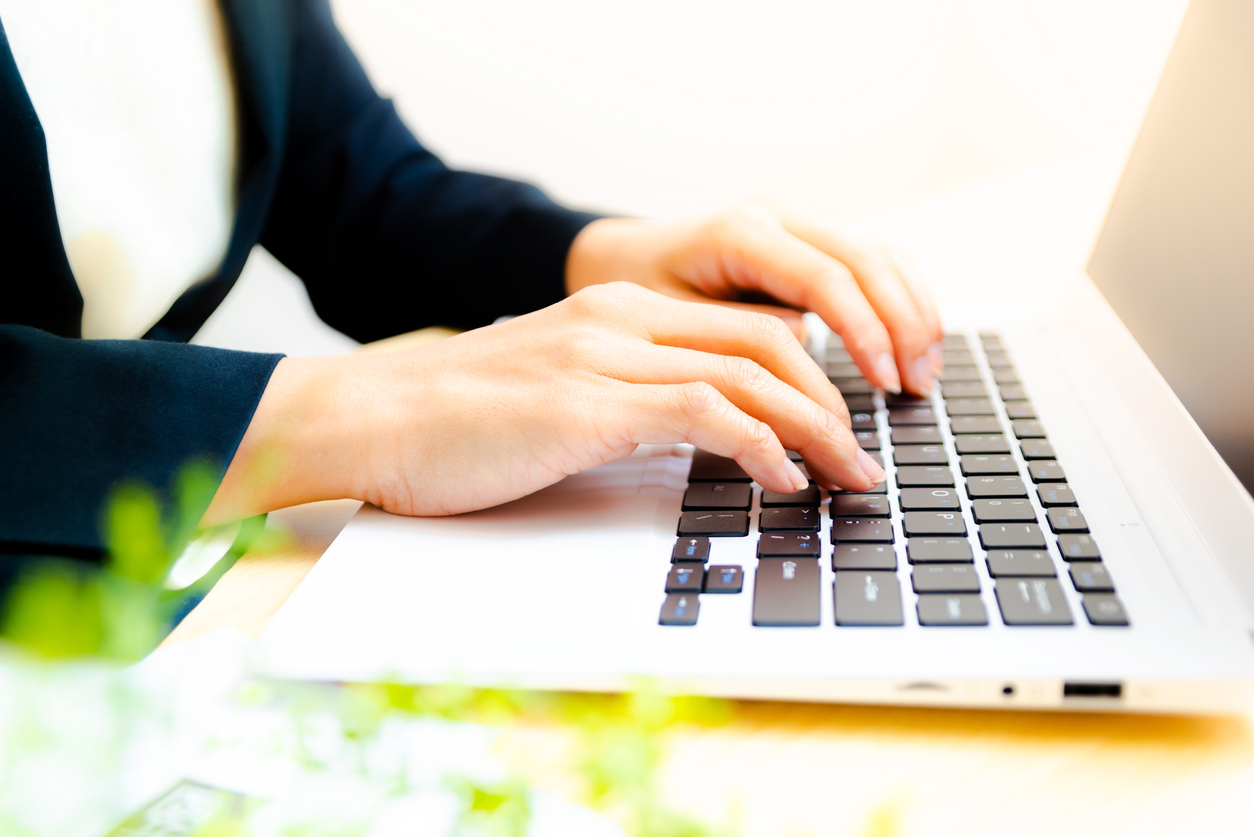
{"x": 798, "y": 479}
{"x": 886, "y": 369}
{"x": 937, "y": 356}
{"x": 870, "y": 467}
{"x": 921, "y": 374}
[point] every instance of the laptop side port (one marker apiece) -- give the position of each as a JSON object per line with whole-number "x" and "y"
{"x": 1092, "y": 690}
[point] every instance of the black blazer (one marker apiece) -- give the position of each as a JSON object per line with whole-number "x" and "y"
{"x": 386, "y": 238}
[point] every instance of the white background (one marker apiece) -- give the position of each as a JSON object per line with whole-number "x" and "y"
{"x": 849, "y": 109}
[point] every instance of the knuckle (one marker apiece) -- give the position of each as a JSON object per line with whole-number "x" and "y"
{"x": 607, "y": 299}
{"x": 771, "y": 330}
{"x": 759, "y": 439}
{"x": 698, "y": 398}
{"x": 743, "y": 372}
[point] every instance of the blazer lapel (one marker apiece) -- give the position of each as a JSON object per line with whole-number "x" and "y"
{"x": 260, "y": 45}
{"x": 37, "y": 287}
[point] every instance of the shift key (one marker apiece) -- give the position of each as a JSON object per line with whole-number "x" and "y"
{"x": 868, "y": 598}
{"x": 786, "y": 592}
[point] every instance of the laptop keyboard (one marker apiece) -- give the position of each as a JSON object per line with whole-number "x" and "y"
{"x": 971, "y": 526}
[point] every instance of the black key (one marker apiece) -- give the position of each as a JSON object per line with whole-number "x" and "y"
{"x": 789, "y": 544}
{"x": 691, "y": 549}
{"x": 734, "y": 524}
{"x": 679, "y": 610}
{"x": 868, "y": 439}
{"x": 862, "y": 421}
{"x": 863, "y": 556}
{"x": 853, "y": 386}
{"x": 685, "y": 578}
{"x": 960, "y": 609}
{"x": 939, "y": 550}
{"x": 1027, "y": 429}
{"x": 933, "y": 523}
{"x": 859, "y": 505}
{"x": 1037, "y": 449}
{"x": 724, "y": 579}
{"x": 1079, "y": 548}
{"x": 916, "y": 436}
{"x": 998, "y": 360}
{"x": 961, "y": 425}
{"x": 987, "y": 337}
{"x": 963, "y": 389}
{"x": 955, "y": 342}
{"x": 1012, "y": 392}
{"x": 882, "y": 488}
{"x": 1105, "y": 609}
{"x": 1055, "y": 494}
{"x": 1032, "y": 601}
{"x": 1003, "y": 511}
{"x": 703, "y": 496}
{"x": 860, "y": 403}
{"x": 906, "y": 399}
{"x": 919, "y": 455}
{"x": 958, "y": 358}
{"x": 1046, "y": 470}
{"x": 960, "y": 373}
{"x": 706, "y": 467}
{"x": 924, "y": 476}
{"x": 808, "y": 497}
{"x": 789, "y": 520}
{"x": 1022, "y": 562}
{"x": 979, "y": 464}
{"x": 794, "y": 455}
{"x": 861, "y": 530}
{"x": 996, "y": 487}
{"x": 975, "y": 443}
{"x": 846, "y": 369}
{"x": 786, "y": 592}
{"x": 945, "y": 578}
{"x": 867, "y": 598}
{"x": 1011, "y": 536}
{"x": 929, "y": 499}
{"x": 898, "y": 416}
{"x": 1005, "y": 375}
{"x": 1065, "y": 519}
{"x": 1091, "y": 577}
{"x": 877, "y": 457}
{"x": 1020, "y": 410}
{"x": 969, "y": 407}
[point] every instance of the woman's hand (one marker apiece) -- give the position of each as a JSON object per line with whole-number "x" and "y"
{"x": 758, "y": 253}
{"x": 497, "y": 413}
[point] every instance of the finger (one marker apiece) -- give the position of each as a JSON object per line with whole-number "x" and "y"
{"x": 927, "y": 307}
{"x": 726, "y": 331}
{"x": 762, "y": 255}
{"x": 792, "y": 318}
{"x": 888, "y": 293}
{"x": 697, "y": 413}
{"x": 827, "y": 445}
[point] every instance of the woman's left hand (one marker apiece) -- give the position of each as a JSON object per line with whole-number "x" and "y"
{"x": 762, "y": 258}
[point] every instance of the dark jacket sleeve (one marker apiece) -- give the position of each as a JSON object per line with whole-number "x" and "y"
{"x": 78, "y": 416}
{"x": 385, "y": 236}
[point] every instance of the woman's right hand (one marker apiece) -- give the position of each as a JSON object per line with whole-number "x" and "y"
{"x": 496, "y": 413}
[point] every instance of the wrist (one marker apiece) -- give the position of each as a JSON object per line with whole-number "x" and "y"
{"x": 608, "y": 250}
{"x": 294, "y": 449}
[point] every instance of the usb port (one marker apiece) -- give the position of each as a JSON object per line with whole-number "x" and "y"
{"x": 1092, "y": 690}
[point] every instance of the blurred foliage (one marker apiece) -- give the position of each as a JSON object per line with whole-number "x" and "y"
{"x": 60, "y": 608}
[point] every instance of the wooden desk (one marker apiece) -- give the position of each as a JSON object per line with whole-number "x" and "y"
{"x": 810, "y": 769}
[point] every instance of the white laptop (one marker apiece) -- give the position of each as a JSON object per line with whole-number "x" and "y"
{"x": 1061, "y": 526}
